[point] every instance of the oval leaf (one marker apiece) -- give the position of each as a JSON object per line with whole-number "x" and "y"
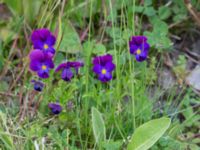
{"x": 70, "y": 42}
{"x": 147, "y": 134}
{"x": 98, "y": 126}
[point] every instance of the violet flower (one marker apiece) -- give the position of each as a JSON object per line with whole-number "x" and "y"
{"x": 56, "y": 108}
{"x": 44, "y": 40}
{"x": 139, "y": 47}
{"x": 38, "y": 85}
{"x": 103, "y": 67}
{"x": 66, "y": 68}
{"x": 41, "y": 63}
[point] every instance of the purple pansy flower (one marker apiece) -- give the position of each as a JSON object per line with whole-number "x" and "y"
{"x": 103, "y": 67}
{"x": 41, "y": 63}
{"x": 56, "y": 108}
{"x": 67, "y": 73}
{"x": 38, "y": 85}
{"x": 44, "y": 40}
{"x": 139, "y": 47}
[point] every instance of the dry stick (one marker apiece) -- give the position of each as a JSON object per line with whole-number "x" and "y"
{"x": 192, "y": 11}
{"x": 31, "y": 98}
{"x": 84, "y": 34}
{"x": 8, "y": 94}
{"x": 18, "y": 77}
{"x": 24, "y": 107}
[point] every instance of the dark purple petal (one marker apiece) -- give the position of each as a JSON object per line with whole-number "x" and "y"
{"x": 56, "y": 108}
{"x": 105, "y": 77}
{"x": 102, "y": 59}
{"x": 61, "y": 66}
{"x": 133, "y": 48}
{"x": 38, "y": 85}
{"x": 138, "y": 40}
{"x": 97, "y": 68}
{"x": 142, "y": 56}
{"x": 51, "y": 50}
{"x": 67, "y": 74}
{"x": 49, "y": 63}
{"x": 38, "y": 45}
{"x": 40, "y": 34}
{"x": 51, "y": 40}
{"x": 35, "y": 65}
{"x": 36, "y": 55}
{"x": 75, "y": 64}
{"x": 110, "y": 66}
{"x": 43, "y": 73}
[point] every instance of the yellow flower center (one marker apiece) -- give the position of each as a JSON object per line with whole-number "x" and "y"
{"x": 103, "y": 71}
{"x": 46, "y": 46}
{"x": 44, "y": 67}
{"x": 138, "y": 51}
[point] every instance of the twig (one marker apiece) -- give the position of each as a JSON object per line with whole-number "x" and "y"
{"x": 192, "y": 11}
{"x": 18, "y": 77}
{"x": 84, "y": 34}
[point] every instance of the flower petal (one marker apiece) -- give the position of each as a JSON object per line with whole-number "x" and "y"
{"x": 51, "y": 40}
{"x": 110, "y": 66}
{"x": 35, "y": 65}
{"x": 97, "y": 68}
{"x": 49, "y": 63}
{"x": 43, "y": 73}
{"x": 67, "y": 74}
{"x": 102, "y": 59}
{"x": 105, "y": 77}
{"x": 36, "y": 55}
{"x": 61, "y": 66}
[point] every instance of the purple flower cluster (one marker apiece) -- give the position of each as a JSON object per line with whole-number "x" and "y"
{"x": 103, "y": 67}
{"x": 139, "y": 47}
{"x": 66, "y": 68}
{"x": 41, "y": 57}
{"x": 41, "y": 61}
{"x": 56, "y": 108}
{"x": 44, "y": 40}
{"x": 38, "y": 85}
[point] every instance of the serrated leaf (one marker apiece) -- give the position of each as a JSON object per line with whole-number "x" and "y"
{"x": 98, "y": 126}
{"x": 147, "y": 134}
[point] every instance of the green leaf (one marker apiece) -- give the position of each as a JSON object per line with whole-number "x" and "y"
{"x": 164, "y": 12}
{"x": 98, "y": 126}
{"x": 112, "y": 145}
{"x": 99, "y": 49}
{"x": 70, "y": 42}
{"x": 148, "y": 2}
{"x": 149, "y": 11}
{"x": 147, "y": 134}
